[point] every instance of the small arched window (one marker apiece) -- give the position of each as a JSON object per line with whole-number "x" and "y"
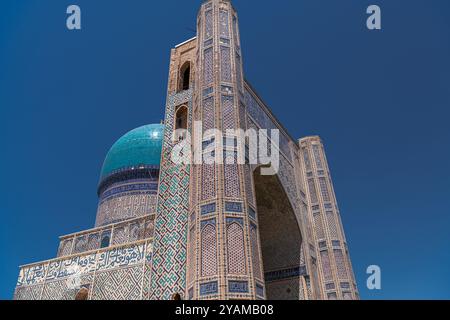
{"x": 185, "y": 77}
{"x": 105, "y": 242}
{"x": 181, "y": 123}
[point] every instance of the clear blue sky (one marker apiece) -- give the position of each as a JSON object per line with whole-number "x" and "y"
{"x": 380, "y": 101}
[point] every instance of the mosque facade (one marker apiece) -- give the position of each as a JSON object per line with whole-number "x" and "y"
{"x": 205, "y": 231}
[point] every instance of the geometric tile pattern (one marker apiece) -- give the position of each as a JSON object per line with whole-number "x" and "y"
{"x": 238, "y": 286}
{"x": 340, "y": 264}
{"x": 326, "y": 266}
{"x": 208, "y": 288}
{"x": 28, "y": 293}
{"x": 255, "y": 251}
{"x": 209, "y": 250}
{"x": 225, "y": 64}
{"x": 123, "y": 232}
{"x": 236, "y": 251}
{"x": 170, "y": 239}
{"x": 334, "y": 264}
{"x": 223, "y": 23}
{"x": 217, "y": 206}
{"x": 109, "y": 274}
{"x": 118, "y": 284}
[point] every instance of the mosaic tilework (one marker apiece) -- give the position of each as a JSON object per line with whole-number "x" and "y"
{"x": 208, "y": 114}
{"x": 225, "y": 64}
{"x": 192, "y": 252}
{"x": 235, "y": 247}
{"x": 285, "y": 273}
{"x": 326, "y": 266}
{"x": 65, "y": 248}
{"x": 170, "y": 239}
{"x": 50, "y": 280}
{"x": 331, "y": 222}
{"x": 80, "y": 244}
{"x": 120, "y": 257}
{"x": 224, "y": 28}
{"x": 208, "y": 70}
{"x": 120, "y": 236}
{"x": 127, "y": 231}
{"x": 28, "y": 293}
{"x": 347, "y": 296}
{"x": 208, "y": 208}
{"x": 208, "y": 24}
{"x": 238, "y": 286}
{"x": 208, "y": 177}
{"x": 147, "y": 281}
{"x": 242, "y": 116}
{"x": 318, "y": 226}
{"x": 231, "y": 181}
{"x": 324, "y": 189}
{"x": 312, "y": 191}
{"x": 229, "y": 114}
{"x": 119, "y": 284}
{"x": 208, "y": 288}
{"x": 264, "y": 121}
{"x": 33, "y": 275}
{"x": 235, "y": 31}
{"x": 59, "y": 290}
{"x": 149, "y": 228}
{"x": 306, "y": 159}
{"x": 255, "y": 251}
{"x": 287, "y": 179}
{"x": 252, "y": 213}
{"x": 316, "y": 152}
{"x": 208, "y": 188}
{"x": 340, "y": 264}
{"x": 248, "y": 184}
{"x": 259, "y": 290}
{"x": 125, "y": 272}
{"x": 93, "y": 241}
{"x": 129, "y": 188}
{"x": 194, "y": 185}
{"x": 235, "y": 207}
{"x": 209, "y": 250}
{"x": 126, "y": 206}
{"x": 332, "y": 296}
{"x": 238, "y": 71}
{"x": 136, "y": 231}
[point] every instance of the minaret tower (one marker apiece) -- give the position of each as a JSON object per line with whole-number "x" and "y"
{"x": 336, "y": 274}
{"x": 223, "y": 259}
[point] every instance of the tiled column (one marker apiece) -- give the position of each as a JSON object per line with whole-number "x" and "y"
{"x": 224, "y": 257}
{"x": 336, "y": 275}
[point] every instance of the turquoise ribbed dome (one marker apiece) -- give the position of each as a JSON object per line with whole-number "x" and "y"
{"x": 139, "y": 147}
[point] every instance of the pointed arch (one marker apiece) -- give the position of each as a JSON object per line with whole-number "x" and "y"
{"x": 280, "y": 239}
{"x": 184, "y": 81}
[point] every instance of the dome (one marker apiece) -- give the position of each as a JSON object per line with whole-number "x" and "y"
{"x": 139, "y": 147}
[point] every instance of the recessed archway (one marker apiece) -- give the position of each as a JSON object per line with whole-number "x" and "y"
{"x": 184, "y": 81}
{"x": 280, "y": 237}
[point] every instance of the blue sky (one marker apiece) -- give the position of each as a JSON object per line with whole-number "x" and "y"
{"x": 380, "y": 101}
